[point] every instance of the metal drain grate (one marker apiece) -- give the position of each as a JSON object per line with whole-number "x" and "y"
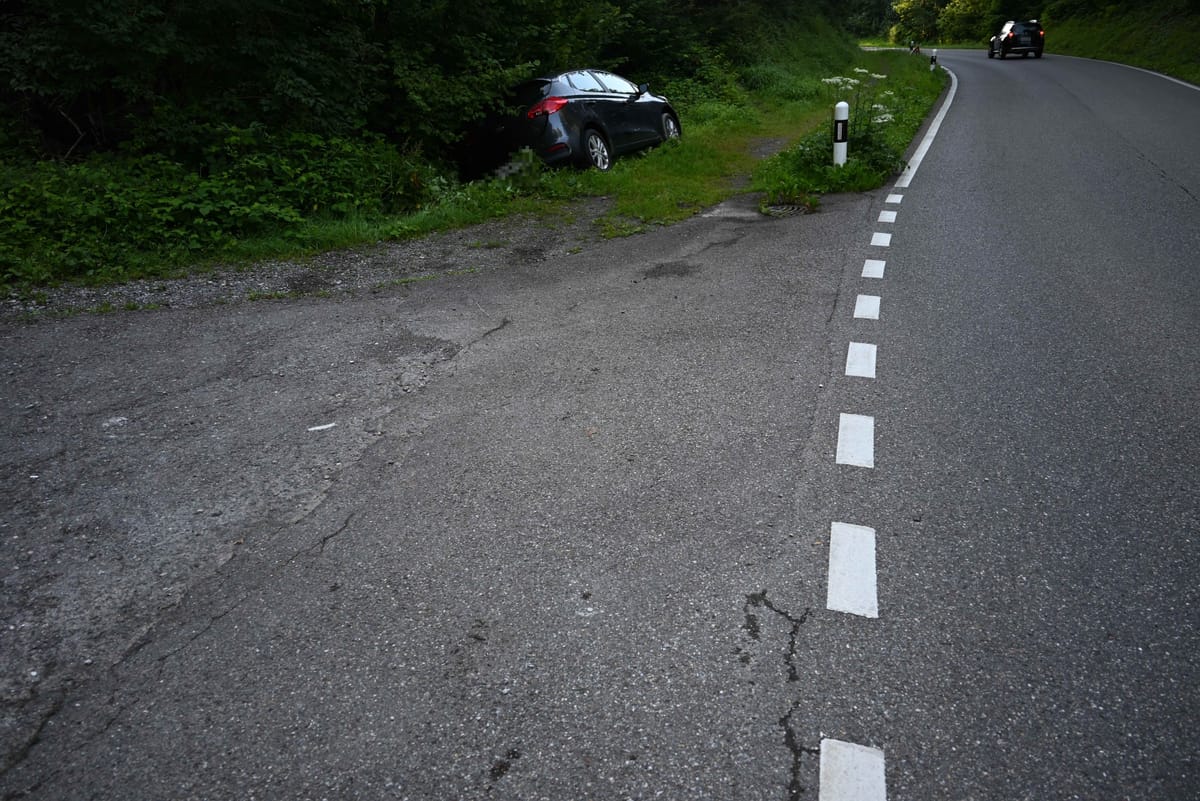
{"x": 785, "y": 210}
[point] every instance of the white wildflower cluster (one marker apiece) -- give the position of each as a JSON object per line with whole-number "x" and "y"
{"x": 878, "y": 77}
{"x": 841, "y": 83}
{"x": 862, "y": 71}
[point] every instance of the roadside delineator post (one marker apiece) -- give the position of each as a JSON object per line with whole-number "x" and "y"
{"x": 841, "y": 132}
{"x": 933, "y": 61}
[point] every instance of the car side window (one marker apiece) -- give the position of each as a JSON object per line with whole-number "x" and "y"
{"x": 616, "y": 83}
{"x": 584, "y": 82}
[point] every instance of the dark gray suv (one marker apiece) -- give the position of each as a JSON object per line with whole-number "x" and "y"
{"x": 584, "y": 117}
{"x": 587, "y": 117}
{"x": 1018, "y": 37}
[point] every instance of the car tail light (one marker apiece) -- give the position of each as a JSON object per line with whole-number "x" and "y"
{"x": 1011, "y": 34}
{"x": 546, "y": 107}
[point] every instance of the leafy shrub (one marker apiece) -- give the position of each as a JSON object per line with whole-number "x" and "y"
{"x": 713, "y": 81}
{"x": 882, "y": 124}
{"x": 112, "y": 217}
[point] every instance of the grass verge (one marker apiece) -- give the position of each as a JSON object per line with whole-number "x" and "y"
{"x": 785, "y": 100}
{"x": 1158, "y": 36}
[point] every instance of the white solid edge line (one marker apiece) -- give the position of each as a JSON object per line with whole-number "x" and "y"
{"x": 923, "y": 148}
{"x": 880, "y": 239}
{"x": 860, "y": 360}
{"x": 873, "y": 268}
{"x": 852, "y": 585}
{"x": 866, "y": 307}
{"x": 851, "y": 772}
{"x": 856, "y": 440}
{"x": 1131, "y": 67}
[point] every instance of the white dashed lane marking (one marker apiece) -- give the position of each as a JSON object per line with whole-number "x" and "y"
{"x": 851, "y": 772}
{"x": 852, "y": 571}
{"x": 860, "y": 360}
{"x": 866, "y": 307}
{"x": 856, "y": 440}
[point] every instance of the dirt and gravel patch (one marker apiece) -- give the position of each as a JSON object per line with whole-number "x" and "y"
{"x": 515, "y": 240}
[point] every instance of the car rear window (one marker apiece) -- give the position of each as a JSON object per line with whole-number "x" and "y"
{"x": 530, "y": 92}
{"x": 616, "y": 83}
{"x": 584, "y": 82}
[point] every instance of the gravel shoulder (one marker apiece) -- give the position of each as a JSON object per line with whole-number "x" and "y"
{"x": 519, "y": 239}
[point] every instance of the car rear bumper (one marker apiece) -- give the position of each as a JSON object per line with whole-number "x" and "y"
{"x": 550, "y": 139}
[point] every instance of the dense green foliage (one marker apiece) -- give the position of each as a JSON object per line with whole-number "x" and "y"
{"x": 110, "y": 216}
{"x": 153, "y": 75}
{"x": 1160, "y": 34}
{"x": 886, "y": 110}
{"x": 142, "y": 137}
{"x": 1163, "y": 36}
{"x": 927, "y": 21}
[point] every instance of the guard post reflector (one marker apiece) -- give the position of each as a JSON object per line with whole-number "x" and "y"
{"x": 841, "y": 132}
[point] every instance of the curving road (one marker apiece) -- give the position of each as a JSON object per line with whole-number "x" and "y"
{"x": 898, "y": 498}
{"x": 1035, "y": 483}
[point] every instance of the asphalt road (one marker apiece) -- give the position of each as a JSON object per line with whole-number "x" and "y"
{"x": 562, "y": 529}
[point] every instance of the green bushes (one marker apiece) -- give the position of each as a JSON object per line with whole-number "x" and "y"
{"x": 885, "y": 115}
{"x": 187, "y": 191}
{"x": 111, "y": 217}
{"x": 1158, "y": 35}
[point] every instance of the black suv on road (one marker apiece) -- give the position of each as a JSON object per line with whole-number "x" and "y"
{"x": 1018, "y": 37}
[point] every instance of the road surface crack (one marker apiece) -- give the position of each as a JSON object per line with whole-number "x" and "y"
{"x": 759, "y": 600}
{"x": 320, "y": 546}
{"x": 753, "y": 626}
{"x": 504, "y": 323}
{"x": 19, "y": 755}
{"x": 795, "y": 786}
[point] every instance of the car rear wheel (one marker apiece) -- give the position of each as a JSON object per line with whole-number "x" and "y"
{"x": 595, "y": 150}
{"x": 670, "y": 127}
